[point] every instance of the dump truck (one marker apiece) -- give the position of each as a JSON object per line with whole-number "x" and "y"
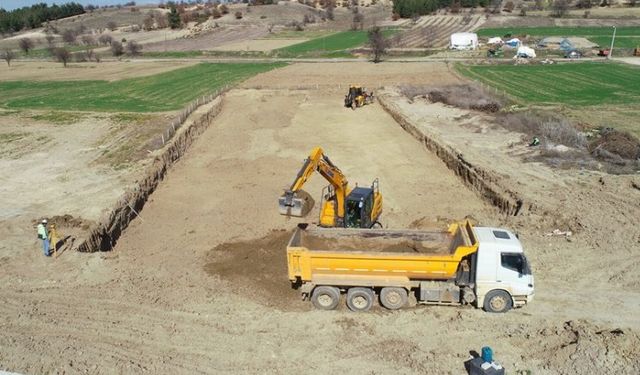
{"x": 464, "y": 265}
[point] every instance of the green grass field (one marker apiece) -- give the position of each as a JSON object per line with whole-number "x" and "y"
{"x": 161, "y": 92}
{"x": 626, "y": 37}
{"x": 579, "y": 84}
{"x": 330, "y": 43}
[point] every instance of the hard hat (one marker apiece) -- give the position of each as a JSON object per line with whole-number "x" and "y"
{"x": 44, "y": 221}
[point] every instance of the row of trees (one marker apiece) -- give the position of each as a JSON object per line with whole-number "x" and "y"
{"x": 411, "y": 8}
{"x": 35, "y": 15}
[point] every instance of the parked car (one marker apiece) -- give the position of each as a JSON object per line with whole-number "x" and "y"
{"x": 573, "y": 54}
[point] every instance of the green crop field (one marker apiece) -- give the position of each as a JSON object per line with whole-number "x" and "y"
{"x": 626, "y": 37}
{"x": 577, "y": 84}
{"x": 156, "y": 93}
{"x": 331, "y": 43}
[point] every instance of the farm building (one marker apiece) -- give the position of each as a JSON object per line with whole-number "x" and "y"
{"x": 464, "y": 41}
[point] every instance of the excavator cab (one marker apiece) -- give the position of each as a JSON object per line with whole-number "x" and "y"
{"x": 359, "y": 206}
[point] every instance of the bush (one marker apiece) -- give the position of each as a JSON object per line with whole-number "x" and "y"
{"x": 111, "y": 25}
{"x": 462, "y": 96}
{"x": 238, "y": 15}
{"x": 116, "y": 48}
{"x": 105, "y": 39}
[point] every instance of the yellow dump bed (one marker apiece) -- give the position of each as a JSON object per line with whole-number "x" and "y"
{"x": 377, "y": 257}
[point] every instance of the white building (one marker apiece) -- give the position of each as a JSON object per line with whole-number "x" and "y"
{"x": 464, "y": 41}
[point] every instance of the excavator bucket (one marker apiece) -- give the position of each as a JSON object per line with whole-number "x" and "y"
{"x": 296, "y": 204}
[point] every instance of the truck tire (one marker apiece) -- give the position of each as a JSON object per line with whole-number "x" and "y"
{"x": 325, "y": 297}
{"x": 497, "y": 301}
{"x": 393, "y": 298}
{"x": 360, "y": 299}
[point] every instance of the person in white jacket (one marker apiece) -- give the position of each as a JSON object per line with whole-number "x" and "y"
{"x": 43, "y": 234}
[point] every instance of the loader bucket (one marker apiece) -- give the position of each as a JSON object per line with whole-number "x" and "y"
{"x": 296, "y": 204}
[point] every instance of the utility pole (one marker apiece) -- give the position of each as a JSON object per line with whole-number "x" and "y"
{"x": 613, "y": 38}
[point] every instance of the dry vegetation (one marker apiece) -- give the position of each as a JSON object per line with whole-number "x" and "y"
{"x": 563, "y": 143}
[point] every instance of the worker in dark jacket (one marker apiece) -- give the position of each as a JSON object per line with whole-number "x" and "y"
{"x": 43, "y": 235}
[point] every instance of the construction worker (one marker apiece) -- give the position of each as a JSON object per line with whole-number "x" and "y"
{"x": 534, "y": 142}
{"x": 43, "y": 234}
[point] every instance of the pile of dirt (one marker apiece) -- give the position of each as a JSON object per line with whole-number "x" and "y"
{"x": 615, "y": 142}
{"x": 69, "y": 221}
{"x": 256, "y": 268}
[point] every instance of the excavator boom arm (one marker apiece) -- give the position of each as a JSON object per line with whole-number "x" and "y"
{"x": 318, "y": 161}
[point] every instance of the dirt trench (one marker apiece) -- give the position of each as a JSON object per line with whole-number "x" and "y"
{"x": 103, "y": 236}
{"x": 482, "y": 181}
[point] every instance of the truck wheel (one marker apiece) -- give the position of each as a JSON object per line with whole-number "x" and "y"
{"x": 360, "y": 299}
{"x": 497, "y": 301}
{"x": 325, "y": 297}
{"x": 393, "y": 298}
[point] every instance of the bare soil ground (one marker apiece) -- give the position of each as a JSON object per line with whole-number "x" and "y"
{"x": 258, "y": 44}
{"x": 110, "y": 71}
{"x": 64, "y": 163}
{"x": 340, "y": 75}
{"x": 199, "y": 285}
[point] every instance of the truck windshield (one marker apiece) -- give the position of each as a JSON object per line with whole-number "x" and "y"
{"x": 515, "y": 262}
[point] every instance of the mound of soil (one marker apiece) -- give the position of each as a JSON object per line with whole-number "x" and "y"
{"x": 618, "y": 143}
{"x": 256, "y": 268}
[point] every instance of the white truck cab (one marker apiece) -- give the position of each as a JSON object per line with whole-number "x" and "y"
{"x": 503, "y": 278}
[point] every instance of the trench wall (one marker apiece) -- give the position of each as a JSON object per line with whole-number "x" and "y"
{"x": 103, "y": 236}
{"x": 484, "y": 182}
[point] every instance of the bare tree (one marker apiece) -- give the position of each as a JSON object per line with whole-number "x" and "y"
{"x": 539, "y": 5}
{"x": 62, "y": 55}
{"x": 69, "y": 36}
{"x": 330, "y": 7}
{"x": 560, "y": 8}
{"x": 147, "y": 23}
{"x": 26, "y": 44}
{"x": 8, "y": 55}
{"x": 50, "y": 38}
{"x": 88, "y": 40}
{"x": 495, "y": 6}
{"x": 161, "y": 20}
{"x": 378, "y": 44}
{"x": 509, "y": 6}
{"x": 133, "y": 48}
{"x": 358, "y": 21}
{"x": 105, "y": 39}
{"x": 111, "y": 25}
{"x": 116, "y": 48}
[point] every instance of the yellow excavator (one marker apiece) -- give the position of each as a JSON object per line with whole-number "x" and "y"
{"x": 340, "y": 206}
{"x": 357, "y": 97}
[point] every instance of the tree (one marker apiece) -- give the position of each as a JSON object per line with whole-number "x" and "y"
{"x": 26, "y": 44}
{"x": 147, "y": 23}
{"x": 62, "y": 55}
{"x": 50, "y": 38}
{"x": 224, "y": 9}
{"x": 330, "y": 6}
{"x": 238, "y": 15}
{"x": 116, "y": 48}
{"x": 105, "y": 39}
{"x": 358, "y": 21}
{"x": 560, "y": 8}
{"x": 509, "y": 6}
{"x": 161, "y": 20}
{"x": 174, "y": 18}
{"x": 133, "y": 48}
{"x": 112, "y": 25}
{"x": 69, "y": 36}
{"x": 7, "y": 56}
{"x": 377, "y": 43}
{"x": 88, "y": 40}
